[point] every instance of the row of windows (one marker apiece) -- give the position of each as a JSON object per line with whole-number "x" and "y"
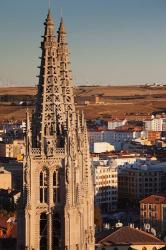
{"x": 106, "y": 176}
{"x": 106, "y": 199}
{"x": 151, "y": 215}
{"x": 106, "y": 188}
{"x": 105, "y": 170}
{"x": 105, "y": 191}
{"x": 144, "y": 173}
{"x": 150, "y": 206}
{"x": 105, "y": 182}
{"x": 44, "y": 187}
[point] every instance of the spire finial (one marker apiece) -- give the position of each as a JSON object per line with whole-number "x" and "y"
{"x": 49, "y": 4}
{"x": 61, "y": 12}
{"x": 62, "y": 26}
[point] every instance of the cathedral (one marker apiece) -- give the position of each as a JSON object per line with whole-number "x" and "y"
{"x": 56, "y": 208}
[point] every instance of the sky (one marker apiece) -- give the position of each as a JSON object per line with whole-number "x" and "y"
{"x": 112, "y": 42}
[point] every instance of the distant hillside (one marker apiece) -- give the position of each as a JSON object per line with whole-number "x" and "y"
{"x": 133, "y": 102}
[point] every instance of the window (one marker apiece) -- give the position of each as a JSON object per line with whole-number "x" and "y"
{"x": 56, "y": 181}
{"x": 43, "y": 186}
{"x": 43, "y": 231}
{"x": 154, "y": 248}
{"x": 144, "y": 248}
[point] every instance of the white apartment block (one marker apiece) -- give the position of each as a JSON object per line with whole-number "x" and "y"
{"x": 155, "y": 124}
{"x": 116, "y": 123}
{"x": 106, "y": 185}
{"x": 116, "y": 138}
{"x": 101, "y": 147}
{"x": 128, "y": 161}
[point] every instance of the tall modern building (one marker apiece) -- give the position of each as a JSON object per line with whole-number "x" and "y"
{"x": 56, "y": 207}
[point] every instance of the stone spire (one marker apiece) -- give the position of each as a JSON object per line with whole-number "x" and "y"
{"x": 65, "y": 70}
{"x": 57, "y": 182}
{"x": 49, "y": 113}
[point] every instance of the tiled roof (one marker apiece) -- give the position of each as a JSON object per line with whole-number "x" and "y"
{"x": 3, "y": 222}
{"x": 154, "y": 199}
{"x": 130, "y": 236}
{"x": 12, "y": 231}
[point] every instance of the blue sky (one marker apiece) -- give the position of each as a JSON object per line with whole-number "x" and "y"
{"x": 111, "y": 41}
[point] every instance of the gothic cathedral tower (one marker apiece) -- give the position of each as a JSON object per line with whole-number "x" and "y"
{"x": 56, "y": 207}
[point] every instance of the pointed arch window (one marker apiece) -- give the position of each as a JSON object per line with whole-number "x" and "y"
{"x": 56, "y": 183}
{"x": 43, "y": 186}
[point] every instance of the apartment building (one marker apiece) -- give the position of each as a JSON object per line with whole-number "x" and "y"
{"x": 139, "y": 182}
{"x": 155, "y": 124}
{"x": 153, "y": 212}
{"x": 116, "y": 138}
{"x": 113, "y": 124}
{"x": 106, "y": 185}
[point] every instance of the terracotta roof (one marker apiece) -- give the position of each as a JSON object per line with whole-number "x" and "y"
{"x": 154, "y": 199}
{"x": 130, "y": 236}
{"x": 3, "y": 222}
{"x": 12, "y": 231}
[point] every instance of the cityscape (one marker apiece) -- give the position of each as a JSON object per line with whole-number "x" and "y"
{"x": 82, "y": 166}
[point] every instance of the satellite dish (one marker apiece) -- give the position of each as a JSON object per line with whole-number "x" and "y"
{"x": 147, "y": 226}
{"x": 119, "y": 224}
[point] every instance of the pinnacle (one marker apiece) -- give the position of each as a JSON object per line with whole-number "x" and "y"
{"x": 62, "y": 26}
{"x": 49, "y": 19}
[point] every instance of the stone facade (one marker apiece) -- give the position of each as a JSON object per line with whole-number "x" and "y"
{"x": 56, "y": 209}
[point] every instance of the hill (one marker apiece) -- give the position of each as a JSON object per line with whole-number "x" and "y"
{"x": 133, "y": 102}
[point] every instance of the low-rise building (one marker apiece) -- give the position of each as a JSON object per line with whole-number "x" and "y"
{"x": 153, "y": 213}
{"x": 113, "y": 124}
{"x": 6, "y": 149}
{"x": 127, "y": 238}
{"x": 16, "y": 170}
{"x": 114, "y": 137}
{"x": 13, "y": 149}
{"x": 5, "y": 179}
{"x": 100, "y": 147}
{"x": 152, "y": 136}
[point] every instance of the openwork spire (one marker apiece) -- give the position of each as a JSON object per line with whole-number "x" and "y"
{"x": 65, "y": 70}
{"x": 49, "y": 114}
{"x": 57, "y": 183}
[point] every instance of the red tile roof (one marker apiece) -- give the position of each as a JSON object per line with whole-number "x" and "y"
{"x": 154, "y": 199}
{"x": 3, "y": 222}
{"x": 130, "y": 236}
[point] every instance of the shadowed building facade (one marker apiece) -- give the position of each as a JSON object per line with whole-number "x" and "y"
{"x": 56, "y": 207}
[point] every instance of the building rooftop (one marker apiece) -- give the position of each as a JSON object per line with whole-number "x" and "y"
{"x": 154, "y": 199}
{"x": 130, "y": 236}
